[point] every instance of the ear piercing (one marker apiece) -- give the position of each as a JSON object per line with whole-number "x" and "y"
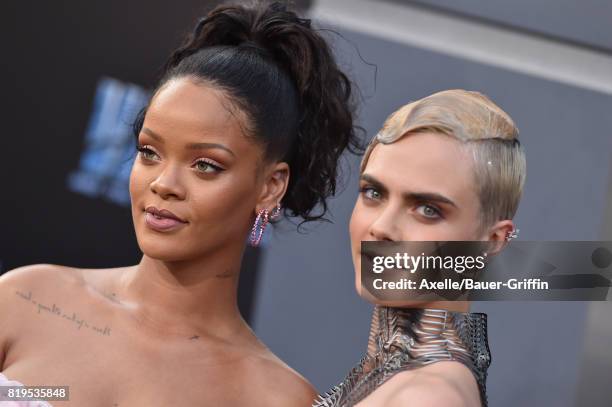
{"x": 513, "y": 234}
{"x": 275, "y": 214}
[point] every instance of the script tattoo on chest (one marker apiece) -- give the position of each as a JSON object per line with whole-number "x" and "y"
{"x": 54, "y": 310}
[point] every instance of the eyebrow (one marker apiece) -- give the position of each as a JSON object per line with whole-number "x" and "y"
{"x": 410, "y": 196}
{"x": 190, "y": 146}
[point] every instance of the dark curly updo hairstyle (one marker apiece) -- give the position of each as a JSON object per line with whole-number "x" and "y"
{"x": 281, "y": 74}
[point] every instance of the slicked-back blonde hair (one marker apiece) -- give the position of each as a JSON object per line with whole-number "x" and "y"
{"x": 485, "y": 130}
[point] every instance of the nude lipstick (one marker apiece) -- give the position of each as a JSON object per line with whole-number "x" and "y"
{"x": 162, "y": 220}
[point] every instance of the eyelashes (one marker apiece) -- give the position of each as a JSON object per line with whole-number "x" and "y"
{"x": 434, "y": 213}
{"x": 144, "y": 151}
{"x": 424, "y": 209}
{"x": 215, "y": 168}
{"x": 367, "y": 191}
{"x": 208, "y": 165}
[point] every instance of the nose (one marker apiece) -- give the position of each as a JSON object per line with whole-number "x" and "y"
{"x": 386, "y": 226}
{"x": 167, "y": 185}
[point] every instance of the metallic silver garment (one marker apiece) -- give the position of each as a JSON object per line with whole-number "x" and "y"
{"x": 408, "y": 338}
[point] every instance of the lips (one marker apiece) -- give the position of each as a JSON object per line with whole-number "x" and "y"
{"x": 164, "y": 213}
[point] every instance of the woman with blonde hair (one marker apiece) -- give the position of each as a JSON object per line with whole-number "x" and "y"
{"x": 448, "y": 167}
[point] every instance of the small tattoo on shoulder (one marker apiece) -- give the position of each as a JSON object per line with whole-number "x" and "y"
{"x": 54, "y": 310}
{"x": 112, "y": 297}
{"x": 194, "y": 337}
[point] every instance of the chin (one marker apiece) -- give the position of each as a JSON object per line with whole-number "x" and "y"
{"x": 162, "y": 249}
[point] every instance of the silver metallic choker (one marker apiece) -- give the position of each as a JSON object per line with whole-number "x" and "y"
{"x": 408, "y": 338}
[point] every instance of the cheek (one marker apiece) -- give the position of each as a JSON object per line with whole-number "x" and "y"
{"x": 136, "y": 183}
{"x": 225, "y": 205}
{"x": 358, "y": 224}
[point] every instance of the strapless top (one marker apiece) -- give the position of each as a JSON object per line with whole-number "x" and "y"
{"x": 405, "y": 339}
{"x": 5, "y": 381}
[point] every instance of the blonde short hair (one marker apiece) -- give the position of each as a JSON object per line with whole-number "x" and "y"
{"x": 487, "y": 132}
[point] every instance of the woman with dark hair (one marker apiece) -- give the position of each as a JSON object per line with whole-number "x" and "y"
{"x": 248, "y": 121}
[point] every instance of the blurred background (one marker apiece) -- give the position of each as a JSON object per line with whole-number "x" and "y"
{"x": 76, "y": 72}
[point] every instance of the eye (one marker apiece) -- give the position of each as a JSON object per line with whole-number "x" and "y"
{"x": 429, "y": 211}
{"x": 370, "y": 193}
{"x": 145, "y": 152}
{"x": 208, "y": 167}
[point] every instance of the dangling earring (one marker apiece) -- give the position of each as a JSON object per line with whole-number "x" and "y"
{"x": 275, "y": 212}
{"x": 513, "y": 234}
{"x": 258, "y": 227}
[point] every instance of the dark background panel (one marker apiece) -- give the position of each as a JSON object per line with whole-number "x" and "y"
{"x": 54, "y": 54}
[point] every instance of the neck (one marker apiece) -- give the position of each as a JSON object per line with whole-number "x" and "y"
{"x": 408, "y": 338}
{"x": 427, "y": 335}
{"x": 420, "y": 330}
{"x": 196, "y": 297}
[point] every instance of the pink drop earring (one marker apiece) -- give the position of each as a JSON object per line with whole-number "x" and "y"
{"x": 263, "y": 217}
{"x": 259, "y": 226}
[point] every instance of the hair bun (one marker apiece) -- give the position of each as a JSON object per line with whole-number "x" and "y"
{"x": 296, "y": 95}
{"x": 237, "y": 25}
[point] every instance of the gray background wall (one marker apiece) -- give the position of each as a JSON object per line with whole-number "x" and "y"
{"x": 582, "y": 21}
{"x": 307, "y": 310}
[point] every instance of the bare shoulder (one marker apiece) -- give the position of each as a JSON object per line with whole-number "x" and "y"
{"x": 277, "y": 384}
{"x": 37, "y": 286}
{"x": 429, "y": 391}
{"x": 40, "y": 276}
{"x": 442, "y": 384}
{"x": 17, "y": 288}
{"x": 20, "y": 287}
